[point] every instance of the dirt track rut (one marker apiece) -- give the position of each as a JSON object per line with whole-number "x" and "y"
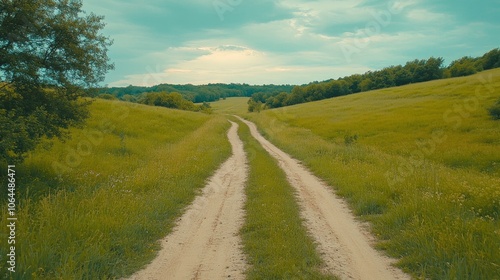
{"x": 344, "y": 245}
{"x": 205, "y": 243}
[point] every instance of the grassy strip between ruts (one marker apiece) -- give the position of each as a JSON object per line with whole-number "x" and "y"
{"x": 134, "y": 176}
{"x": 275, "y": 240}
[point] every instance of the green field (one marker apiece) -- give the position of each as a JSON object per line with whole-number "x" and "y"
{"x": 95, "y": 206}
{"x": 231, "y": 106}
{"x": 420, "y": 162}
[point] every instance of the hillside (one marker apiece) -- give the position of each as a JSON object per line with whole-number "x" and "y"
{"x": 402, "y": 119}
{"x": 415, "y": 71}
{"x": 420, "y": 162}
{"x": 95, "y": 206}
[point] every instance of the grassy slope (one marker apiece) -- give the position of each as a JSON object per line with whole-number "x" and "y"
{"x": 425, "y": 169}
{"x": 274, "y": 238}
{"x": 95, "y": 206}
{"x": 392, "y": 120}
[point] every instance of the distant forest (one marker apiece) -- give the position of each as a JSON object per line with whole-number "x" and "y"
{"x": 415, "y": 71}
{"x": 196, "y": 94}
{"x": 184, "y": 97}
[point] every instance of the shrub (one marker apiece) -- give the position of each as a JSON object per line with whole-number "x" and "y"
{"x": 350, "y": 139}
{"x": 107, "y": 96}
{"x": 495, "y": 111}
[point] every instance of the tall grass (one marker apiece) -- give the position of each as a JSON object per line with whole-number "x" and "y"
{"x": 233, "y": 105}
{"x": 274, "y": 237}
{"x": 98, "y": 214}
{"x": 424, "y": 168}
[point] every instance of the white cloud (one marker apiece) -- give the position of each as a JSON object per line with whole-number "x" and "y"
{"x": 231, "y": 63}
{"x": 423, "y": 15}
{"x": 292, "y": 41}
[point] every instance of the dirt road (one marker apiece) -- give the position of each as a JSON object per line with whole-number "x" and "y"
{"x": 343, "y": 244}
{"x": 205, "y": 243}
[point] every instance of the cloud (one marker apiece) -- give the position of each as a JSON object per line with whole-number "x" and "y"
{"x": 293, "y": 41}
{"x": 230, "y": 63}
{"x": 423, "y": 15}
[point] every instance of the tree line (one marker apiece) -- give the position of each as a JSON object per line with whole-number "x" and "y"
{"x": 194, "y": 93}
{"x": 173, "y": 100}
{"x": 415, "y": 71}
{"x": 184, "y": 97}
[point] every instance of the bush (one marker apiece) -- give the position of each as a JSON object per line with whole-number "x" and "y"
{"x": 350, "y": 139}
{"x": 254, "y": 106}
{"x": 107, "y": 96}
{"x": 463, "y": 67}
{"x": 495, "y": 111}
{"x": 491, "y": 60}
{"x": 172, "y": 100}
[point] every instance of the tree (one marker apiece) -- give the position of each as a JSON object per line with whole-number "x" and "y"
{"x": 434, "y": 68}
{"x": 336, "y": 88}
{"x": 278, "y": 100}
{"x": 491, "y": 59}
{"x": 366, "y": 84}
{"x": 254, "y": 106}
{"x": 402, "y": 76}
{"x": 426, "y": 70}
{"x": 463, "y": 67}
{"x": 50, "y": 52}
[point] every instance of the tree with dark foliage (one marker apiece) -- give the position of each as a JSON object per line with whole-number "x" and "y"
{"x": 50, "y": 51}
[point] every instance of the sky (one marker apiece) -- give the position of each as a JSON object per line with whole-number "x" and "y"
{"x": 285, "y": 42}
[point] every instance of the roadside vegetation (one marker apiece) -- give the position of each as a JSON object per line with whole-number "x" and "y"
{"x": 274, "y": 238}
{"x": 95, "y": 206}
{"x": 420, "y": 162}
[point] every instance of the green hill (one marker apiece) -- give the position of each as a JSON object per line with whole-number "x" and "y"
{"x": 95, "y": 206}
{"x": 393, "y": 120}
{"x": 421, "y": 162}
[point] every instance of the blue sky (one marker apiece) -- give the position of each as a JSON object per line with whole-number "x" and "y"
{"x": 285, "y": 42}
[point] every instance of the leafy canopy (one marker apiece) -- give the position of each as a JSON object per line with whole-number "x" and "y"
{"x": 50, "y": 51}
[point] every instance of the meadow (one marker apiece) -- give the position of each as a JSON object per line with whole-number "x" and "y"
{"x": 95, "y": 206}
{"x": 421, "y": 163}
